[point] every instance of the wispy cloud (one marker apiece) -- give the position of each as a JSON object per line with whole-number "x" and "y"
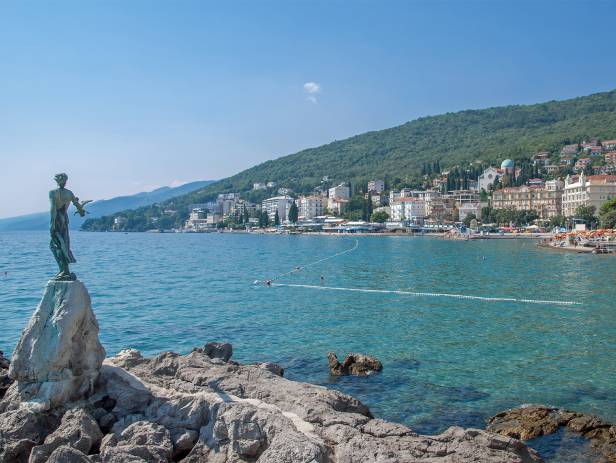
{"x": 312, "y": 89}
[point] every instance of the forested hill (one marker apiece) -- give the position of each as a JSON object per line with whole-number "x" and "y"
{"x": 397, "y": 154}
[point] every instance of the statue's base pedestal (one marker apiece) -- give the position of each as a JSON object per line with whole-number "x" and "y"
{"x": 59, "y": 356}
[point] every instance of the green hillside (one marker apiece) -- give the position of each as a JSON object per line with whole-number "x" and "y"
{"x": 397, "y": 154}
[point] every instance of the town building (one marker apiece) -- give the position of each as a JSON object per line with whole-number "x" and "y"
{"x": 282, "y": 204}
{"x": 546, "y": 199}
{"x": 569, "y": 149}
{"x": 610, "y": 157}
{"x": 285, "y": 191}
{"x": 310, "y": 207}
{"x": 119, "y": 222}
{"x": 541, "y": 159}
{"x": 271, "y": 184}
{"x": 337, "y": 206}
{"x": 341, "y": 191}
{"x": 609, "y": 145}
{"x": 551, "y": 169}
{"x": 258, "y": 186}
{"x": 567, "y": 160}
{"x": 582, "y": 190}
{"x": 377, "y": 186}
{"x": 487, "y": 178}
{"x": 197, "y": 220}
{"x": 581, "y": 164}
{"x": 508, "y": 167}
{"x": 408, "y": 209}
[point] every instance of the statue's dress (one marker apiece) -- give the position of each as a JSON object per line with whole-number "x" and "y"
{"x": 60, "y": 242}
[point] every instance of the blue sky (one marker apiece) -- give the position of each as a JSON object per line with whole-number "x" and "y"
{"x": 128, "y": 96}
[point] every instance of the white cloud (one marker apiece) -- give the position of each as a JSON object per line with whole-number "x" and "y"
{"x": 312, "y": 87}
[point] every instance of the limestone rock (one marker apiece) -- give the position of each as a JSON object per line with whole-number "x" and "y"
{"x": 67, "y": 454}
{"x": 147, "y": 441}
{"x": 5, "y": 380}
{"x": 353, "y": 364}
{"x": 77, "y": 430}
{"x": 58, "y": 356}
{"x": 20, "y": 431}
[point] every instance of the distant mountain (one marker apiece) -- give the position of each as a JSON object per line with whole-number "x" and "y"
{"x": 40, "y": 220}
{"x": 397, "y": 154}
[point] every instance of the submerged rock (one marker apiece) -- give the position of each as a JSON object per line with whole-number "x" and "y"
{"x": 353, "y": 364}
{"x": 531, "y": 421}
{"x": 58, "y": 356}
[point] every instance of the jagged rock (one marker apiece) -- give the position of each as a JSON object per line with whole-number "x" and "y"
{"x": 194, "y": 408}
{"x": 271, "y": 367}
{"x": 148, "y": 441}
{"x": 5, "y": 380}
{"x": 58, "y": 356}
{"x": 530, "y": 421}
{"x": 218, "y": 350}
{"x": 77, "y": 430}
{"x": 353, "y": 364}
{"x": 20, "y": 431}
{"x": 67, "y": 454}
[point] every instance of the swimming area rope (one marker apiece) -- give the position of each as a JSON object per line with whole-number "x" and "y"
{"x": 270, "y": 282}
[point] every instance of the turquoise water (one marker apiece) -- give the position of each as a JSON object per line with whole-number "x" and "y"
{"x": 446, "y": 361}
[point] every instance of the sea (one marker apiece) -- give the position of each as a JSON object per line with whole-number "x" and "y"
{"x": 464, "y": 329}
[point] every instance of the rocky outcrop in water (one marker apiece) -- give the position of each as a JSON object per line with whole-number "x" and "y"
{"x": 5, "y": 380}
{"x": 531, "y": 421}
{"x": 194, "y": 408}
{"x": 353, "y": 364}
{"x": 58, "y": 356}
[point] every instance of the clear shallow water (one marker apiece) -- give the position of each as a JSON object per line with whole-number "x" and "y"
{"x": 446, "y": 361}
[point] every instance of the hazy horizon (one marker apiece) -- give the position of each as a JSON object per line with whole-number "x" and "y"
{"x": 128, "y": 97}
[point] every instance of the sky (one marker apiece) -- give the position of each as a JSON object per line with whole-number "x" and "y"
{"x": 127, "y": 96}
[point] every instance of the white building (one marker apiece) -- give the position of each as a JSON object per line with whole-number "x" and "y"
{"x": 258, "y": 186}
{"x": 376, "y": 185}
{"x": 337, "y": 206}
{"x": 271, "y": 184}
{"x": 340, "y": 192}
{"x": 282, "y": 204}
{"x": 310, "y": 207}
{"x": 197, "y": 220}
{"x": 487, "y": 178}
{"x": 411, "y": 209}
{"x": 581, "y": 190}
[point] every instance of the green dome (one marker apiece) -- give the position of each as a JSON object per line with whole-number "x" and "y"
{"x": 507, "y": 164}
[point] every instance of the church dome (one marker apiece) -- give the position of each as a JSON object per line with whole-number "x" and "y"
{"x": 507, "y": 164}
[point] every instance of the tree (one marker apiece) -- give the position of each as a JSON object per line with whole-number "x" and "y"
{"x": 607, "y": 214}
{"x": 293, "y": 213}
{"x": 276, "y": 218}
{"x": 469, "y": 217}
{"x": 558, "y": 221}
{"x": 379, "y": 216}
{"x": 586, "y": 214}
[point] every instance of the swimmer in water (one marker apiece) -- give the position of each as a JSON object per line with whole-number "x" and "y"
{"x": 268, "y": 282}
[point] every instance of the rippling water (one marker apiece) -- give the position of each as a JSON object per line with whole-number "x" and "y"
{"x": 446, "y": 361}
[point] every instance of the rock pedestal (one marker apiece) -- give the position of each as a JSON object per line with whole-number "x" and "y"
{"x": 59, "y": 356}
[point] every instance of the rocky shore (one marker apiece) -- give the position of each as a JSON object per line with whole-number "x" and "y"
{"x": 197, "y": 408}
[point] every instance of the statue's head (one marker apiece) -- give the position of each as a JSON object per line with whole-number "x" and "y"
{"x": 61, "y": 179}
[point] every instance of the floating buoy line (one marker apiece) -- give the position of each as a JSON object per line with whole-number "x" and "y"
{"x": 271, "y": 282}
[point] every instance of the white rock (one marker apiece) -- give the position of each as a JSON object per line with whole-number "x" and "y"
{"x": 59, "y": 356}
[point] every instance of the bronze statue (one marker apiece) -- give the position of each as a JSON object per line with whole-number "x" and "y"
{"x": 60, "y": 199}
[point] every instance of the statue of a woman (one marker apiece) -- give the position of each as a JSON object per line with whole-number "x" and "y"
{"x": 60, "y": 199}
